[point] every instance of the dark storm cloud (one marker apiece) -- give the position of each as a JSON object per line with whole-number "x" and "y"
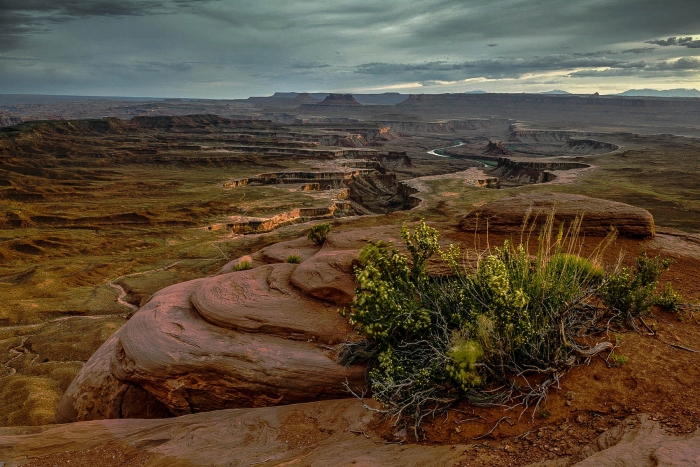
{"x": 166, "y": 47}
{"x": 70, "y": 9}
{"x": 25, "y": 17}
{"x": 639, "y": 50}
{"x": 310, "y": 65}
{"x": 591, "y": 20}
{"x": 605, "y": 53}
{"x": 19, "y": 18}
{"x": 689, "y": 42}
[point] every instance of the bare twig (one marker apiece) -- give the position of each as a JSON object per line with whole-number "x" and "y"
{"x": 492, "y": 429}
{"x": 647, "y": 326}
{"x": 459, "y": 422}
{"x": 676, "y": 346}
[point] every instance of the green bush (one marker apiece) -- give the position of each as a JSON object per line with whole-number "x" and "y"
{"x": 293, "y": 259}
{"x": 318, "y": 233}
{"x": 631, "y": 291}
{"x": 432, "y": 340}
{"x": 243, "y": 266}
{"x": 617, "y": 360}
{"x": 461, "y": 366}
{"x": 669, "y": 299}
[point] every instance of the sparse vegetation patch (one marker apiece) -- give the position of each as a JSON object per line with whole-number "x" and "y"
{"x": 318, "y": 233}
{"x": 500, "y": 330}
{"x": 293, "y": 259}
{"x": 243, "y": 266}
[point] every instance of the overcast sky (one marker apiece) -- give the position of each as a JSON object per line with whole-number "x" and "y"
{"x": 239, "y": 48}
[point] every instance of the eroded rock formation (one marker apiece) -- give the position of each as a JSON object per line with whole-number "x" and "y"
{"x": 251, "y": 338}
{"x": 526, "y": 172}
{"x": 317, "y": 434}
{"x": 506, "y": 215}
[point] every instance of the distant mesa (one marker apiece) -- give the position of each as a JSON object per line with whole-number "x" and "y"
{"x": 556, "y": 92}
{"x": 476, "y": 91}
{"x": 285, "y": 95}
{"x": 595, "y": 95}
{"x": 305, "y": 98}
{"x": 339, "y": 100}
{"x": 665, "y": 93}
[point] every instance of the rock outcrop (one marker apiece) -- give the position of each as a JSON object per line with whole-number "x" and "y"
{"x": 506, "y": 215}
{"x": 315, "y": 434}
{"x": 526, "y": 172}
{"x": 496, "y": 149}
{"x": 339, "y": 99}
{"x": 641, "y": 442}
{"x": 250, "y": 338}
{"x": 323, "y": 433}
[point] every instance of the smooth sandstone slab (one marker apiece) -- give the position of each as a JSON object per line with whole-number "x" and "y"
{"x": 644, "y": 444}
{"x": 168, "y": 351}
{"x": 329, "y": 274}
{"x": 337, "y": 433}
{"x": 251, "y": 338}
{"x": 320, "y": 434}
{"x": 194, "y": 366}
{"x": 96, "y": 394}
{"x": 279, "y": 252}
{"x": 506, "y": 215}
{"x": 262, "y": 300}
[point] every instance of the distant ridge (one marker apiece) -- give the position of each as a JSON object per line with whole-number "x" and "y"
{"x": 387, "y": 98}
{"x": 557, "y": 92}
{"x": 338, "y": 101}
{"x": 656, "y": 93}
{"x": 476, "y": 91}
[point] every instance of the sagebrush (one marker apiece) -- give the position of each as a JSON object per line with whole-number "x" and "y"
{"x": 480, "y": 332}
{"x": 318, "y": 233}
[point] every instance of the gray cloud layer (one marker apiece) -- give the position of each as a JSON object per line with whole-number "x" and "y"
{"x": 689, "y": 42}
{"x": 235, "y": 48}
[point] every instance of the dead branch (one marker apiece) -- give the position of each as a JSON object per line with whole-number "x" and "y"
{"x": 492, "y": 429}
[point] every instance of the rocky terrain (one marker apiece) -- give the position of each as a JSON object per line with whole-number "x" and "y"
{"x": 124, "y": 300}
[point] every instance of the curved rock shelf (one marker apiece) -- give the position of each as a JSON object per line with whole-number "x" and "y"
{"x": 251, "y": 338}
{"x": 506, "y": 215}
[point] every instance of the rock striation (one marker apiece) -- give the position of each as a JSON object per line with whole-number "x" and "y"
{"x": 338, "y": 432}
{"x": 506, "y": 215}
{"x": 250, "y": 338}
{"x": 322, "y": 433}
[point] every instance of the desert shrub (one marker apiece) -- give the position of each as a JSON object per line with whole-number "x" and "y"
{"x": 478, "y": 333}
{"x": 293, "y": 259}
{"x": 243, "y": 266}
{"x": 617, "y": 360}
{"x": 631, "y": 291}
{"x": 385, "y": 307}
{"x": 669, "y": 299}
{"x": 318, "y": 233}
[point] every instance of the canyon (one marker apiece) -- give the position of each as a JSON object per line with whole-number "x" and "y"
{"x": 126, "y": 313}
